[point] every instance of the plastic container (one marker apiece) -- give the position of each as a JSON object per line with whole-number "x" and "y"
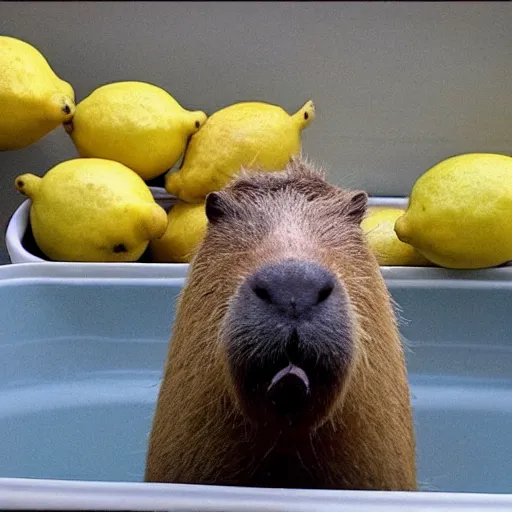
{"x": 21, "y": 245}
{"x": 18, "y": 237}
{"x": 82, "y": 357}
{"x": 18, "y": 253}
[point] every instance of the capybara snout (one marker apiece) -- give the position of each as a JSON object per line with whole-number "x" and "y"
{"x": 289, "y": 340}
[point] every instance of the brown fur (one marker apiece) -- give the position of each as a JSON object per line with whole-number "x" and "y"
{"x": 200, "y": 435}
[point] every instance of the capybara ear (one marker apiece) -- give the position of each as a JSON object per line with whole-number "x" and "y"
{"x": 216, "y": 206}
{"x": 356, "y": 207}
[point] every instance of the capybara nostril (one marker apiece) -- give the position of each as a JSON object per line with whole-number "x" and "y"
{"x": 262, "y": 293}
{"x": 293, "y": 287}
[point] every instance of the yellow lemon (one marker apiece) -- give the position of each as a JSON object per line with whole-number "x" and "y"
{"x": 33, "y": 99}
{"x": 460, "y": 212}
{"x": 379, "y": 227}
{"x": 250, "y": 134}
{"x": 135, "y": 123}
{"x": 92, "y": 210}
{"x": 186, "y": 228}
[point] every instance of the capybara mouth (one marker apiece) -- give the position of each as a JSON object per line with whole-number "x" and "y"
{"x": 291, "y": 385}
{"x": 289, "y": 390}
{"x": 288, "y": 395}
{"x": 288, "y": 338}
{"x": 289, "y": 374}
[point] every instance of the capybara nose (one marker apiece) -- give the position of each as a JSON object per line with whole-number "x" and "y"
{"x": 293, "y": 287}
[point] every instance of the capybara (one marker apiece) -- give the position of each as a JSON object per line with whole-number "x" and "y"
{"x": 285, "y": 367}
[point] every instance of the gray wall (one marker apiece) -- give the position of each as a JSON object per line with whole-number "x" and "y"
{"x": 398, "y": 86}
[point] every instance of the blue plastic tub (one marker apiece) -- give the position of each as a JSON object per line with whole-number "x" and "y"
{"x": 82, "y": 359}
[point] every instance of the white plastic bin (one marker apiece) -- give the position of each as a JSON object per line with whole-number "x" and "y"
{"x": 82, "y": 354}
{"x": 19, "y": 223}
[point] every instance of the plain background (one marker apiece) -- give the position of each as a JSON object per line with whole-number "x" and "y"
{"x": 397, "y": 86}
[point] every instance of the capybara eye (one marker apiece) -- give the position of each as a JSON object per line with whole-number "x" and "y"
{"x": 214, "y": 208}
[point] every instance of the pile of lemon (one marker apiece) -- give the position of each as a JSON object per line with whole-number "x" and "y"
{"x": 459, "y": 216}
{"x": 98, "y": 207}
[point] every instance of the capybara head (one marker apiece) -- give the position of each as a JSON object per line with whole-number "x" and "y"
{"x": 283, "y": 252}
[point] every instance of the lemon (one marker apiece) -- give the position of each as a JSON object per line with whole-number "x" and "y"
{"x": 460, "y": 212}
{"x": 33, "y": 99}
{"x": 379, "y": 227}
{"x": 135, "y": 123}
{"x": 92, "y": 210}
{"x": 249, "y": 134}
{"x": 186, "y": 228}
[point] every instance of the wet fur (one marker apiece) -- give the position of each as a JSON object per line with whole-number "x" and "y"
{"x": 199, "y": 434}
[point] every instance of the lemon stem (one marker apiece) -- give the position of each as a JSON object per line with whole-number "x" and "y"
{"x": 173, "y": 183}
{"x": 304, "y": 115}
{"x": 28, "y": 184}
{"x": 63, "y": 108}
{"x": 154, "y": 222}
{"x": 401, "y": 229}
{"x": 195, "y": 120}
